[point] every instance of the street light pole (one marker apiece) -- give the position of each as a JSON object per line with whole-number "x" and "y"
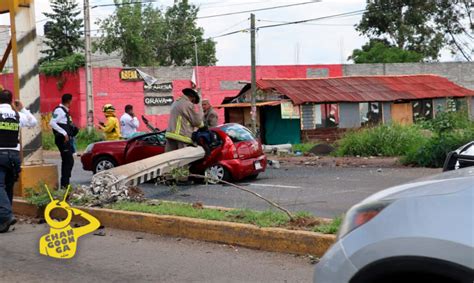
{"x": 88, "y": 50}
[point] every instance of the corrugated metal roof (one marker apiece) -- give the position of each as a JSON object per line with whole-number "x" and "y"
{"x": 246, "y": 104}
{"x": 365, "y": 88}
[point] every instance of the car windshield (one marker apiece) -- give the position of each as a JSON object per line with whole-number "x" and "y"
{"x": 238, "y": 133}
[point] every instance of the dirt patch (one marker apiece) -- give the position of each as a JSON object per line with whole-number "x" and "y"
{"x": 329, "y": 161}
{"x": 304, "y": 223}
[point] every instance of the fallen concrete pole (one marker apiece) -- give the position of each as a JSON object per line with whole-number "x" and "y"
{"x": 114, "y": 183}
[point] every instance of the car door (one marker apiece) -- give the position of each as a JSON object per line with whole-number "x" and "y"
{"x": 145, "y": 147}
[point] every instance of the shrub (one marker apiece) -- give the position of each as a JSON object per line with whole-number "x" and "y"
{"x": 434, "y": 151}
{"x": 383, "y": 140}
{"x": 303, "y": 147}
{"x": 451, "y": 131}
{"x": 48, "y": 141}
{"x": 83, "y": 139}
{"x": 68, "y": 64}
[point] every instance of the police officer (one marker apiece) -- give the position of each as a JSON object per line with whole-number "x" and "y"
{"x": 64, "y": 131}
{"x": 12, "y": 118}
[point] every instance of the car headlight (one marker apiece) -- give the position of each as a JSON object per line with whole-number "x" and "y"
{"x": 361, "y": 214}
{"x": 89, "y": 148}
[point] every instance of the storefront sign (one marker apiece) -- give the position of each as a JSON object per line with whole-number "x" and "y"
{"x": 158, "y": 100}
{"x": 129, "y": 75}
{"x": 164, "y": 87}
{"x": 289, "y": 111}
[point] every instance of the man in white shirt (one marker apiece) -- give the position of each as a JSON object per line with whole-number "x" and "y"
{"x": 11, "y": 120}
{"x": 129, "y": 123}
{"x": 64, "y": 131}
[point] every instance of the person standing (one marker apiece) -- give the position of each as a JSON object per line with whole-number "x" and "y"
{"x": 11, "y": 120}
{"x": 129, "y": 122}
{"x": 183, "y": 120}
{"x": 210, "y": 115}
{"x": 64, "y": 132}
{"x": 111, "y": 128}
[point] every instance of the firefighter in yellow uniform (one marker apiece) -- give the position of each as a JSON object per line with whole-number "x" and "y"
{"x": 183, "y": 121}
{"x": 111, "y": 128}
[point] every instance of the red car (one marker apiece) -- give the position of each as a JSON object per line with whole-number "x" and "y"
{"x": 235, "y": 155}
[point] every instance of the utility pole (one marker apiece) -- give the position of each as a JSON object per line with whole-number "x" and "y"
{"x": 88, "y": 49}
{"x": 198, "y": 85}
{"x": 253, "y": 109}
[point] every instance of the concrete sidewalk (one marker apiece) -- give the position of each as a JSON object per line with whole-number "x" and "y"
{"x": 121, "y": 256}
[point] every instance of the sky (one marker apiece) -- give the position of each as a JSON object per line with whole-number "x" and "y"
{"x": 328, "y": 41}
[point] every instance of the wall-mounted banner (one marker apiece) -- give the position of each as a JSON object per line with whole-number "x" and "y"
{"x": 130, "y": 75}
{"x": 158, "y": 100}
{"x": 164, "y": 87}
{"x": 289, "y": 111}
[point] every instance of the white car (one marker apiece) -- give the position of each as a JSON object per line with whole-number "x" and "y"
{"x": 460, "y": 158}
{"x": 417, "y": 232}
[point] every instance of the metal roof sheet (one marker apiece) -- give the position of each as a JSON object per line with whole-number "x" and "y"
{"x": 365, "y": 88}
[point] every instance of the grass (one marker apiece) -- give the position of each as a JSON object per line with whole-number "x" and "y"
{"x": 383, "y": 140}
{"x": 303, "y": 147}
{"x": 330, "y": 228}
{"x": 267, "y": 218}
{"x": 83, "y": 139}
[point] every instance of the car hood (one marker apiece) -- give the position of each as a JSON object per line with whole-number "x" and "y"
{"x": 444, "y": 183}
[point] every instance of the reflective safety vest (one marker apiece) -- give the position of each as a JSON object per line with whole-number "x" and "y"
{"x": 9, "y": 130}
{"x": 175, "y": 135}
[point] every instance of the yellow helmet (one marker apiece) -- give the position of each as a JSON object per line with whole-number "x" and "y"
{"x": 108, "y": 108}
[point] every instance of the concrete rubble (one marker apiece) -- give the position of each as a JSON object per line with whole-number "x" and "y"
{"x": 106, "y": 189}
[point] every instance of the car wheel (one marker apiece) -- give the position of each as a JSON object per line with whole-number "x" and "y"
{"x": 104, "y": 163}
{"x": 217, "y": 173}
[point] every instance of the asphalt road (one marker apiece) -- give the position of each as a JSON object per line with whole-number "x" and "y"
{"x": 326, "y": 191}
{"x": 138, "y": 257}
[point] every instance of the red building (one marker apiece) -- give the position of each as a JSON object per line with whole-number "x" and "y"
{"x": 216, "y": 83}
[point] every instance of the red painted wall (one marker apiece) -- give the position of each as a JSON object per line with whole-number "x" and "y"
{"x": 210, "y": 78}
{"x": 108, "y": 88}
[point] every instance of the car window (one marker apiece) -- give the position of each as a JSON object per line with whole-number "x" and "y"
{"x": 158, "y": 138}
{"x": 238, "y": 133}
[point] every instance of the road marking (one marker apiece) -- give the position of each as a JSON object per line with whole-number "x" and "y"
{"x": 276, "y": 186}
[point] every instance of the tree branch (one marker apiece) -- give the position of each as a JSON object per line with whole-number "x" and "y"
{"x": 467, "y": 57}
{"x": 290, "y": 215}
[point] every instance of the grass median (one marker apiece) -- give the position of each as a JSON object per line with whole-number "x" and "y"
{"x": 269, "y": 218}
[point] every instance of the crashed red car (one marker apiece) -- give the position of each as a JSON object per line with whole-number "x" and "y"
{"x": 235, "y": 154}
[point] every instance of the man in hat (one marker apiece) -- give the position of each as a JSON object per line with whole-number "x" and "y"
{"x": 210, "y": 115}
{"x": 183, "y": 121}
{"x": 111, "y": 128}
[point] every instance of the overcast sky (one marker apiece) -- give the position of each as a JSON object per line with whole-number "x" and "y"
{"x": 322, "y": 42}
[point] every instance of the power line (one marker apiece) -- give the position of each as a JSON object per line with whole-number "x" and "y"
{"x": 308, "y": 24}
{"x": 348, "y": 14}
{"x": 123, "y": 4}
{"x": 256, "y": 10}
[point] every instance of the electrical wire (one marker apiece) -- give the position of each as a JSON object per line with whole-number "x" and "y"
{"x": 347, "y": 14}
{"x": 257, "y": 10}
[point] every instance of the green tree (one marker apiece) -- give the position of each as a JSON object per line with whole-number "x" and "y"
{"x": 64, "y": 31}
{"x": 180, "y": 33}
{"x": 422, "y": 26}
{"x": 145, "y": 36}
{"x": 134, "y": 31}
{"x": 380, "y": 51}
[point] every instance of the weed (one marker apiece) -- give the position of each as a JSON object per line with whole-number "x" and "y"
{"x": 330, "y": 228}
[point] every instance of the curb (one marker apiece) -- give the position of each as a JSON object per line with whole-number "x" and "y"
{"x": 245, "y": 235}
